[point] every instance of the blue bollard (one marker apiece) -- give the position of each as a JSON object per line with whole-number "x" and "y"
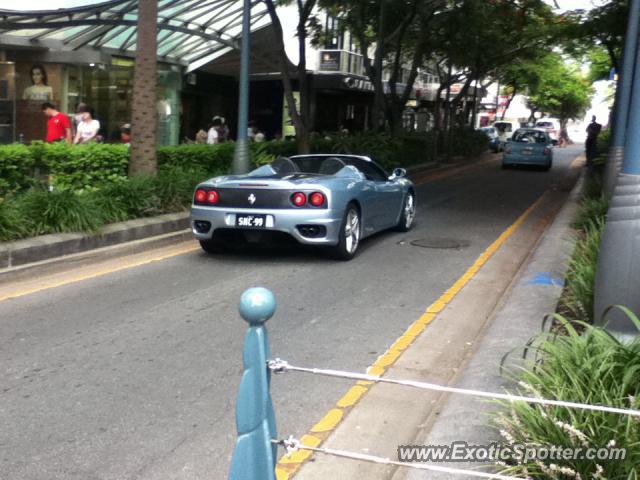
{"x": 254, "y": 456}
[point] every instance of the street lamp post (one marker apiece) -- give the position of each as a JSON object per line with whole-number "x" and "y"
{"x": 618, "y": 274}
{"x": 622, "y": 99}
{"x": 242, "y": 154}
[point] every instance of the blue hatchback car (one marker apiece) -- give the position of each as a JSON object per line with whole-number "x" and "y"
{"x": 529, "y": 146}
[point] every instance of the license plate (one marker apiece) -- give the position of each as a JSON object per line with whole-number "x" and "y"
{"x": 527, "y": 152}
{"x": 251, "y": 221}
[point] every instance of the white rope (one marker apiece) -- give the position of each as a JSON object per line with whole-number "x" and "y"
{"x": 292, "y": 445}
{"x": 278, "y": 366}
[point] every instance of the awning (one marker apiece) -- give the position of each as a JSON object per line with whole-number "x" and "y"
{"x": 190, "y": 32}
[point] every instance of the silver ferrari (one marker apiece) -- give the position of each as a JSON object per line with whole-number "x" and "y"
{"x": 331, "y": 200}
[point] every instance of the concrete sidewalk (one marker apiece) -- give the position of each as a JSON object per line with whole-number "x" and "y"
{"x": 499, "y": 308}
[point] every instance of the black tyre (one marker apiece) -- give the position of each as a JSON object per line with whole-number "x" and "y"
{"x": 350, "y": 233}
{"x": 408, "y": 213}
{"x": 213, "y": 246}
{"x": 224, "y": 242}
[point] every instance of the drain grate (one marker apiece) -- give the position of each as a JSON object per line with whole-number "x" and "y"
{"x": 440, "y": 242}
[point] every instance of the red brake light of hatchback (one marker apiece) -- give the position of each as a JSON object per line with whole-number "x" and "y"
{"x": 213, "y": 197}
{"x": 299, "y": 199}
{"x": 201, "y": 195}
{"x": 317, "y": 199}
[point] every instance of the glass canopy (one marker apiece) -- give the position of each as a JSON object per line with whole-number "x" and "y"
{"x": 190, "y": 32}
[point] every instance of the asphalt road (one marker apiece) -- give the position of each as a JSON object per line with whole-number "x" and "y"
{"x": 133, "y": 374}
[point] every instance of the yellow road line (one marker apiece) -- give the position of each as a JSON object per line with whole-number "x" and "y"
{"x": 288, "y": 465}
{"x": 82, "y": 274}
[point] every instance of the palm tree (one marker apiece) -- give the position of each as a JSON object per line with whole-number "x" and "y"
{"x": 143, "y": 109}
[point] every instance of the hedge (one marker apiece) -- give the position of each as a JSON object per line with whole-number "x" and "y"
{"x": 87, "y": 167}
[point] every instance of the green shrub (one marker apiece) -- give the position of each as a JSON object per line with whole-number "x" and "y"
{"x": 604, "y": 140}
{"x": 581, "y": 275}
{"x": 16, "y": 168}
{"x": 213, "y": 159}
{"x": 86, "y": 167}
{"x": 469, "y": 143}
{"x": 58, "y": 211}
{"x": 592, "y": 367}
{"x": 592, "y": 208}
{"x": 11, "y": 224}
{"x": 175, "y": 185}
{"x": 132, "y": 198}
{"x": 388, "y": 151}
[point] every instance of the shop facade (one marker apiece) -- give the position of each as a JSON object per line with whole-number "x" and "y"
{"x": 28, "y": 79}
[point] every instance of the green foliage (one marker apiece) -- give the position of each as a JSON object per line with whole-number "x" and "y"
{"x": 16, "y": 164}
{"x": 80, "y": 167}
{"x": 135, "y": 197}
{"x": 561, "y": 89}
{"x": 592, "y": 367}
{"x": 58, "y": 211}
{"x": 11, "y": 222}
{"x": 214, "y": 159}
{"x": 581, "y": 275}
{"x": 468, "y": 142}
{"x": 175, "y": 186}
{"x": 597, "y": 31}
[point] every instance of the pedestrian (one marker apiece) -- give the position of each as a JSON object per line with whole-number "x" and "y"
{"x": 215, "y": 134}
{"x": 88, "y": 128}
{"x": 125, "y": 134}
{"x": 252, "y": 130}
{"x": 201, "y": 136}
{"x": 222, "y": 128}
{"x": 591, "y": 145}
{"x": 58, "y": 124}
{"x": 564, "y": 137}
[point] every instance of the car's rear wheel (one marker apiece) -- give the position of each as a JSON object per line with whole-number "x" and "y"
{"x": 408, "y": 214}
{"x": 223, "y": 242}
{"x": 350, "y": 233}
{"x": 213, "y": 246}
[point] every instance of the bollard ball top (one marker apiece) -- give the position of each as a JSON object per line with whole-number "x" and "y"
{"x": 257, "y": 305}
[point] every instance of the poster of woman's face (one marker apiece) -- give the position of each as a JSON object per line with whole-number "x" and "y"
{"x": 39, "y": 90}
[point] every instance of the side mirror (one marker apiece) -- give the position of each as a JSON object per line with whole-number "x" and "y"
{"x": 398, "y": 173}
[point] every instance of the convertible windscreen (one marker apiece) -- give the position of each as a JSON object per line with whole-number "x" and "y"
{"x": 327, "y": 165}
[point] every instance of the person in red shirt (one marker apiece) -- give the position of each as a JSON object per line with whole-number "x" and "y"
{"x": 58, "y": 124}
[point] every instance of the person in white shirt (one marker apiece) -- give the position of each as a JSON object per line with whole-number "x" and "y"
{"x": 213, "y": 135}
{"x": 88, "y": 128}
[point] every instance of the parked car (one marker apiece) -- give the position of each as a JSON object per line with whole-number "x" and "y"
{"x": 330, "y": 200}
{"x": 496, "y": 143}
{"x": 505, "y": 129}
{"x": 529, "y": 146}
{"x": 552, "y": 126}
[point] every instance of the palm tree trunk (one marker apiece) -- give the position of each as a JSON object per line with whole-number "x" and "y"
{"x": 143, "y": 109}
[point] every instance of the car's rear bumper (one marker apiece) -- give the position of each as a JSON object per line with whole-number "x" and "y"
{"x": 294, "y": 222}
{"x": 515, "y": 159}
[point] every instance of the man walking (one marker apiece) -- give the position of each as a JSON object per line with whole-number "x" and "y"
{"x": 58, "y": 124}
{"x": 591, "y": 145}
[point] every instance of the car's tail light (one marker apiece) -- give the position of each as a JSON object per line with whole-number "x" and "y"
{"x": 212, "y": 197}
{"x": 317, "y": 199}
{"x": 201, "y": 195}
{"x": 547, "y": 151}
{"x": 299, "y": 199}
{"x": 507, "y": 149}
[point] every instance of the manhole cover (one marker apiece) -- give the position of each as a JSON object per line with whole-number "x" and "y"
{"x": 442, "y": 243}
